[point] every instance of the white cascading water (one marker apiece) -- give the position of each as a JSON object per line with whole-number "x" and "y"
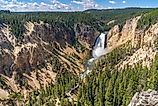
{"x": 99, "y": 49}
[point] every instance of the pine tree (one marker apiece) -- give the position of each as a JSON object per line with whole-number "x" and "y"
{"x": 116, "y": 87}
{"x": 109, "y": 93}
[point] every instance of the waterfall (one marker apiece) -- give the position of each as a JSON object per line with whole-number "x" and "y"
{"x": 99, "y": 49}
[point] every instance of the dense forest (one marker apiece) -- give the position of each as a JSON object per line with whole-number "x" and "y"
{"x": 148, "y": 19}
{"x": 97, "y": 19}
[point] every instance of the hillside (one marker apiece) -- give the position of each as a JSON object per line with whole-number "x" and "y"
{"x": 43, "y": 54}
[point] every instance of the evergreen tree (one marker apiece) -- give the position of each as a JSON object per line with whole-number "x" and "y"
{"x": 109, "y": 93}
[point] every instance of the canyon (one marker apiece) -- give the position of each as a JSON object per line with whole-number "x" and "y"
{"x": 59, "y": 60}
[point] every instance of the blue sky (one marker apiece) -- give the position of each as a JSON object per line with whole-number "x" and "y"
{"x": 72, "y": 5}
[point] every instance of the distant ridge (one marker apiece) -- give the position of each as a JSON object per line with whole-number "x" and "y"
{"x": 128, "y": 8}
{"x": 5, "y": 11}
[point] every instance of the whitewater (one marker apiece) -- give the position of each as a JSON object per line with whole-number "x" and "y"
{"x": 99, "y": 49}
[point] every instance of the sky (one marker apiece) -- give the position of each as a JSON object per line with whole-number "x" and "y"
{"x": 72, "y": 5}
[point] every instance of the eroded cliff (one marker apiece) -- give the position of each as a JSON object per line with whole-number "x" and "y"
{"x": 142, "y": 41}
{"x": 45, "y": 51}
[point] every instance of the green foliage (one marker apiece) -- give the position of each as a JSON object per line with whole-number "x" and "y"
{"x": 16, "y": 96}
{"x": 79, "y": 47}
{"x": 48, "y": 96}
{"x": 120, "y": 86}
{"x": 104, "y": 86}
{"x": 148, "y": 19}
{"x": 96, "y": 19}
{"x": 119, "y": 15}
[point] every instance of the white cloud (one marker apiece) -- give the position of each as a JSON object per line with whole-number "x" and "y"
{"x": 112, "y": 2}
{"x": 15, "y": 5}
{"x": 123, "y": 2}
{"x": 109, "y": 7}
{"x": 86, "y": 4}
{"x": 77, "y": 2}
{"x": 60, "y": 5}
{"x": 52, "y": 5}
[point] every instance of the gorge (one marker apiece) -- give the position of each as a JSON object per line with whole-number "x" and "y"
{"x": 62, "y": 59}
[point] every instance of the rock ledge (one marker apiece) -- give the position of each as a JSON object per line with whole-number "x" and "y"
{"x": 145, "y": 98}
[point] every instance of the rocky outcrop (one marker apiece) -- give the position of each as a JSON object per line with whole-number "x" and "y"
{"x": 141, "y": 41}
{"x": 3, "y": 94}
{"x": 86, "y": 34}
{"x": 145, "y": 98}
{"x": 144, "y": 55}
{"x": 111, "y": 22}
{"x": 150, "y": 35}
{"x": 147, "y": 51}
{"x": 118, "y": 36}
